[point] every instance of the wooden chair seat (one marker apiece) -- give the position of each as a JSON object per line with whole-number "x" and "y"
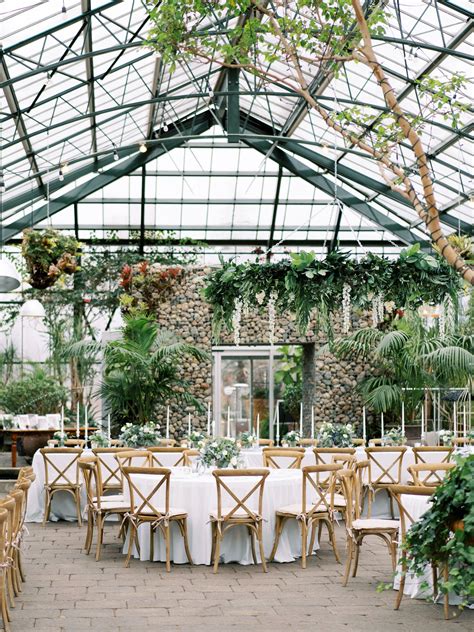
{"x": 295, "y": 510}
{"x": 172, "y": 512}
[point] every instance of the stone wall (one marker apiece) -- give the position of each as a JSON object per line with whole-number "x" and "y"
{"x": 329, "y": 383}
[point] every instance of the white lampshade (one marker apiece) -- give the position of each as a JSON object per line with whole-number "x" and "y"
{"x": 32, "y": 309}
{"x": 9, "y": 277}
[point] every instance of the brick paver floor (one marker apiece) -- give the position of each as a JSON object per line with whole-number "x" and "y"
{"x": 67, "y": 590}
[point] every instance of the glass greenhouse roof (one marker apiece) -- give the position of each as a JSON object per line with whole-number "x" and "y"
{"x": 80, "y": 93}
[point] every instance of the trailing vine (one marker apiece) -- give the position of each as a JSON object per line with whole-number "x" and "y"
{"x": 314, "y": 288}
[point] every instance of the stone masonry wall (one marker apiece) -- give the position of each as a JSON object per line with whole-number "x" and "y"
{"x": 188, "y": 315}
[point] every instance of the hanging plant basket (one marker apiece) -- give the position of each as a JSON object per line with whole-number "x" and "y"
{"x": 49, "y": 255}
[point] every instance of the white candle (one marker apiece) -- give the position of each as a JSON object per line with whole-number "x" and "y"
{"x": 258, "y": 426}
{"x": 167, "y": 422}
{"x": 278, "y": 423}
{"x": 213, "y": 427}
{"x": 422, "y": 420}
{"x": 301, "y": 419}
{"x": 364, "y": 423}
{"x": 382, "y": 424}
{"x": 86, "y": 426}
{"x": 62, "y": 419}
{"x": 208, "y": 418}
{"x": 312, "y": 422}
{"x": 403, "y": 417}
{"x": 455, "y": 418}
{"x": 189, "y": 424}
{"x": 78, "y": 424}
{"x": 108, "y": 427}
{"x": 228, "y": 421}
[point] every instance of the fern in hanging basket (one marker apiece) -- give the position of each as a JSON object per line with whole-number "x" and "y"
{"x": 49, "y": 255}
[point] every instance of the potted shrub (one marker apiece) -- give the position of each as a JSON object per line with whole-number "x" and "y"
{"x": 445, "y": 533}
{"x": 49, "y": 255}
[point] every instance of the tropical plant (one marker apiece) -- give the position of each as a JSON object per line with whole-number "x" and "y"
{"x": 290, "y": 375}
{"x": 36, "y": 392}
{"x": 142, "y": 371}
{"x": 409, "y": 356}
{"x": 49, "y": 255}
{"x": 445, "y": 533}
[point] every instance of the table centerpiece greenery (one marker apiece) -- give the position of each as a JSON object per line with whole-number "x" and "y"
{"x": 335, "y": 435}
{"x": 139, "y": 435}
{"x": 394, "y": 437}
{"x": 220, "y": 452}
{"x": 248, "y": 439}
{"x": 291, "y": 438}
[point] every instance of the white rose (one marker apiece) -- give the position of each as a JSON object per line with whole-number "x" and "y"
{"x": 233, "y": 461}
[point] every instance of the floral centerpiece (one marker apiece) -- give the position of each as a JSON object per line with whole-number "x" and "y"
{"x": 248, "y": 439}
{"x": 291, "y": 438}
{"x": 139, "y": 435}
{"x": 446, "y": 437}
{"x": 335, "y": 435}
{"x": 394, "y": 437}
{"x": 195, "y": 439}
{"x": 60, "y": 437}
{"x": 99, "y": 439}
{"x": 220, "y": 452}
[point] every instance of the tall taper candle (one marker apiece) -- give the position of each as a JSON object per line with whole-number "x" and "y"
{"x": 108, "y": 428}
{"x": 62, "y": 419}
{"x": 278, "y": 424}
{"x": 258, "y": 426}
{"x": 422, "y": 420}
{"x": 86, "y": 426}
{"x": 403, "y": 417}
{"x": 364, "y": 423}
{"x": 78, "y": 423}
{"x": 189, "y": 424}
{"x": 312, "y": 422}
{"x": 382, "y": 425}
{"x": 167, "y": 422}
{"x": 301, "y": 419}
{"x": 209, "y": 418}
{"x": 228, "y": 421}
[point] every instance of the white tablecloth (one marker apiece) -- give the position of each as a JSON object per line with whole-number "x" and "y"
{"x": 197, "y": 495}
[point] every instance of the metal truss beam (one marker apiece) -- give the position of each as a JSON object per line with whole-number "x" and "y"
{"x": 423, "y": 45}
{"x": 88, "y": 48}
{"x": 197, "y": 125}
{"x": 155, "y": 87}
{"x": 275, "y": 209}
{"x": 348, "y": 199}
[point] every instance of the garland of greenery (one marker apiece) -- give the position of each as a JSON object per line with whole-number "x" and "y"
{"x": 304, "y": 283}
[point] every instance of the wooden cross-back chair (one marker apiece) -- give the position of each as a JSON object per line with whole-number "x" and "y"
{"x": 359, "y": 442}
{"x": 58, "y": 478}
{"x": 357, "y": 527}
{"x": 429, "y": 474}
{"x": 225, "y": 517}
{"x": 8, "y": 504}
{"x": 462, "y": 441}
{"x": 376, "y": 441}
{"x": 109, "y": 468}
{"x": 381, "y": 475}
{"x": 269, "y": 443}
{"x": 68, "y": 443}
{"x": 324, "y": 456}
{"x": 99, "y": 507}
{"x": 23, "y": 484}
{"x": 147, "y": 508}
{"x": 292, "y": 457}
{"x": 406, "y": 520}
{"x": 432, "y": 454}
{"x": 315, "y": 508}
{"x": 4, "y": 566}
{"x": 311, "y": 443}
{"x": 176, "y": 453}
{"x": 167, "y": 443}
{"x": 190, "y": 456}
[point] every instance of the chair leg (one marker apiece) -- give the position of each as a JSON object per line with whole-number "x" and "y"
{"x": 320, "y": 531}
{"x": 168, "y": 553}
{"x": 47, "y": 503}
{"x": 184, "y": 530}
{"x": 90, "y": 532}
{"x": 252, "y": 544}
{"x": 370, "y": 498}
{"x": 313, "y": 538}
{"x": 213, "y": 536}
{"x": 392, "y": 513}
{"x": 304, "y": 542}
{"x": 356, "y": 560}
{"x": 5, "y": 613}
{"x": 434, "y": 571}
{"x": 100, "y": 533}
{"x": 332, "y": 538}
{"x": 132, "y": 531}
{"x": 350, "y": 546}
{"x": 279, "y": 524}
{"x": 401, "y": 588}
{"x": 260, "y": 544}
{"x": 217, "y": 549}
{"x": 152, "y": 543}
{"x": 20, "y": 567}
{"x": 394, "y": 555}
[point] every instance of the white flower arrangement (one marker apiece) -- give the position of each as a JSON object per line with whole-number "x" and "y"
{"x": 446, "y": 437}
{"x": 196, "y": 439}
{"x": 99, "y": 439}
{"x": 291, "y": 438}
{"x": 248, "y": 439}
{"x": 335, "y": 435}
{"x": 138, "y": 436}
{"x": 220, "y": 452}
{"x": 394, "y": 437}
{"x": 60, "y": 437}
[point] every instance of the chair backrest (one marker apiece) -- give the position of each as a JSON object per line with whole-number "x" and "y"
{"x": 4, "y": 543}
{"x": 60, "y": 465}
{"x": 8, "y": 504}
{"x": 164, "y": 456}
{"x": 283, "y": 458}
{"x": 324, "y": 456}
{"x": 359, "y": 442}
{"x": 432, "y": 454}
{"x": 18, "y": 496}
{"x": 462, "y": 441}
{"x": 150, "y": 495}
{"x": 315, "y": 497}
{"x": 190, "y": 456}
{"x": 227, "y": 493}
{"x": 116, "y": 443}
{"x": 425, "y": 474}
{"x": 24, "y": 485}
{"x": 385, "y": 465}
{"x": 267, "y": 442}
{"x": 75, "y": 443}
{"x": 398, "y": 492}
{"x": 133, "y": 458}
{"x": 312, "y": 443}
{"x": 109, "y": 468}
{"x": 167, "y": 442}
{"x": 90, "y": 469}
{"x": 376, "y": 441}
{"x": 26, "y": 472}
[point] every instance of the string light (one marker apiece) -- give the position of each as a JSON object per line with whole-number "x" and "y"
{"x": 64, "y": 10}
{"x": 65, "y": 167}
{"x": 116, "y": 156}
{"x": 143, "y": 148}
{"x": 61, "y": 174}
{"x": 165, "y": 127}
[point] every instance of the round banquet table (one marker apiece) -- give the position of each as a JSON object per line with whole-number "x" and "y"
{"x": 196, "y": 493}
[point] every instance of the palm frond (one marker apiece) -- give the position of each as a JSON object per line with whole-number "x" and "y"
{"x": 392, "y": 342}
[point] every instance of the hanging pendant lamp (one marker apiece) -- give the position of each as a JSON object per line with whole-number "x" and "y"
{"x": 9, "y": 276}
